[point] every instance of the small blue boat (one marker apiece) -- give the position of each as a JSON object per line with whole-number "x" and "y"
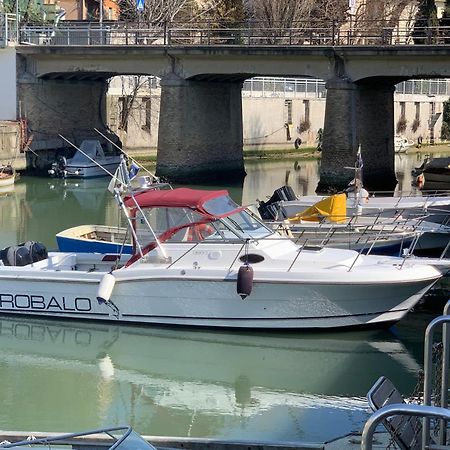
{"x": 95, "y": 239}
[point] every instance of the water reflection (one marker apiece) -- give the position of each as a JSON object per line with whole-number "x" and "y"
{"x": 38, "y": 208}
{"x": 63, "y": 376}
{"x": 60, "y": 375}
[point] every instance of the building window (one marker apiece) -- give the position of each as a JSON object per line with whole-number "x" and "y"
{"x": 288, "y": 112}
{"x": 307, "y": 113}
{"x": 417, "y": 105}
{"x": 402, "y": 109}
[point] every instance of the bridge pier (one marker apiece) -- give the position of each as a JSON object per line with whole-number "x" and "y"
{"x": 72, "y": 108}
{"x": 358, "y": 114}
{"x": 340, "y": 136}
{"x": 376, "y": 135}
{"x": 200, "y": 131}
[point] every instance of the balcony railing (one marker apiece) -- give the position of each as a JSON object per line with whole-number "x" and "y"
{"x": 324, "y": 33}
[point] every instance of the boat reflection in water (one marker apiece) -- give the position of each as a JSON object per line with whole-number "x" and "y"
{"x": 304, "y": 387}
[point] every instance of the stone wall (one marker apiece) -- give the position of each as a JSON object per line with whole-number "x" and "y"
{"x": 10, "y": 136}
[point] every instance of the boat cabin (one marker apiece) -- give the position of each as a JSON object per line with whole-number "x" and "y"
{"x": 189, "y": 215}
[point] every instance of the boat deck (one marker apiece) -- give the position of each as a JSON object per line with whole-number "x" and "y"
{"x": 93, "y": 442}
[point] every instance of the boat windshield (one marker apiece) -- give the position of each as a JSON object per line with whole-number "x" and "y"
{"x": 184, "y": 224}
{"x": 220, "y": 205}
{"x": 90, "y": 149}
{"x": 246, "y": 226}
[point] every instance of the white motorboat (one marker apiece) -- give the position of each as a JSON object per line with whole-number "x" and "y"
{"x": 327, "y": 223}
{"x": 284, "y": 203}
{"x": 7, "y": 176}
{"x": 89, "y": 161}
{"x": 401, "y": 144}
{"x": 201, "y": 260}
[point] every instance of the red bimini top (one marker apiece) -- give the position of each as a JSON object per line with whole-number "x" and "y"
{"x": 186, "y": 198}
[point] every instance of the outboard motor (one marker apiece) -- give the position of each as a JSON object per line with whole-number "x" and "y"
{"x": 269, "y": 210}
{"x": 59, "y": 167}
{"x": 37, "y": 250}
{"x": 16, "y": 255}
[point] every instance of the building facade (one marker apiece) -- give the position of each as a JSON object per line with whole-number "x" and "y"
{"x": 277, "y": 112}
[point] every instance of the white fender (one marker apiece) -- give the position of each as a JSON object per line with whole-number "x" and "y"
{"x": 105, "y": 288}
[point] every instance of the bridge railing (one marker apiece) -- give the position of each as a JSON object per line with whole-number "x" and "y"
{"x": 325, "y": 33}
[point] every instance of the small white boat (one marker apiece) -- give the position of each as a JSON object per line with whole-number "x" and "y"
{"x": 201, "y": 260}
{"x": 89, "y": 161}
{"x": 7, "y": 175}
{"x": 401, "y": 144}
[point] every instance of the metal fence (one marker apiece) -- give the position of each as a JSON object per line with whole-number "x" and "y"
{"x": 424, "y": 87}
{"x": 311, "y": 87}
{"x": 284, "y": 87}
{"x": 307, "y": 33}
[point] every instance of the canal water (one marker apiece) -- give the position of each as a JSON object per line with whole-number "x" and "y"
{"x": 70, "y": 376}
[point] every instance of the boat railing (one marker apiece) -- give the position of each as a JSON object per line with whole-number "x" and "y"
{"x": 426, "y": 410}
{"x": 405, "y": 410}
{"x": 72, "y": 439}
{"x": 411, "y": 193}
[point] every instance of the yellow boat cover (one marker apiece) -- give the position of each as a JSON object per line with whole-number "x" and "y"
{"x": 333, "y": 209}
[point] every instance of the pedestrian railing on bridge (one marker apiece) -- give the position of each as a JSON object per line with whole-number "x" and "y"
{"x": 318, "y": 33}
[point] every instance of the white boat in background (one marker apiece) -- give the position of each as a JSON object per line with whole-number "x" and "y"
{"x": 284, "y": 204}
{"x": 7, "y": 176}
{"x": 401, "y": 144}
{"x": 321, "y": 224}
{"x": 89, "y": 161}
{"x": 201, "y": 260}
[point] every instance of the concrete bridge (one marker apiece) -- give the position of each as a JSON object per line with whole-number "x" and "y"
{"x": 200, "y": 127}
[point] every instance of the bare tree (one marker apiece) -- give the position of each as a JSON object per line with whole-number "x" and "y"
{"x": 376, "y": 21}
{"x": 283, "y": 14}
{"x": 221, "y": 11}
{"x": 156, "y": 11}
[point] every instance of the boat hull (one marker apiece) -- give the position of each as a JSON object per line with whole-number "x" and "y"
{"x": 197, "y": 301}
{"x": 7, "y": 181}
{"x": 92, "y": 170}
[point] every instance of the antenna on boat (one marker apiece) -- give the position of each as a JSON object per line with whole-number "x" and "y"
{"x": 127, "y": 155}
{"x": 357, "y": 180}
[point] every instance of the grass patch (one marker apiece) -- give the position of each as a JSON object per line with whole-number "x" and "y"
{"x": 281, "y": 153}
{"x": 266, "y": 153}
